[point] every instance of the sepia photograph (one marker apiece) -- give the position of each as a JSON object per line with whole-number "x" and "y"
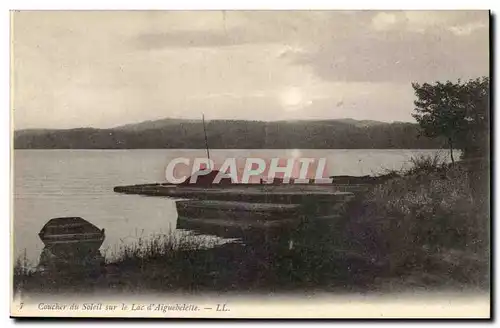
{"x": 276, "y": 164}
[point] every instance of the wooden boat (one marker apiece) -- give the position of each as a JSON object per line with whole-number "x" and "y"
{"x": 231, "y": 219}
{"x": 71, "y": 236}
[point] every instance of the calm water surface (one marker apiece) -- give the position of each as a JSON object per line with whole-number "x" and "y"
{"x": 53, "y": 183}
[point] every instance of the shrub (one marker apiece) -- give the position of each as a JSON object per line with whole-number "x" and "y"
{"x": 426, "y": 163}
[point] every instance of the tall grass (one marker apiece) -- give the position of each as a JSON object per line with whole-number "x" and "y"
{"x": 159, "y": 246}
{"x": 426, "y": 163}
{"x": 23, "y": 270}
{"x": 426, "y": 219}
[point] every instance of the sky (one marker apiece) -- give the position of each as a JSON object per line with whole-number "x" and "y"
{"x": 108, "y": 68}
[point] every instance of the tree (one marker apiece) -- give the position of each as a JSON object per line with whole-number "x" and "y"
{"x": 475, "y": 142}
{"x": 459, "y": 112}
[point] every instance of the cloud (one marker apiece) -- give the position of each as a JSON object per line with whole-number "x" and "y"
{"x": 108, "y": 68}
{"x": 398, "y": 55}
{"x": 426, "y": 21}
{"x": 238, "y": 28}
{"x": 187, "y": 39}
{"x": 467, "y": 29}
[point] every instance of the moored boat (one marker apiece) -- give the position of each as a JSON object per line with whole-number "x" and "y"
{"x": 71, "y": 236}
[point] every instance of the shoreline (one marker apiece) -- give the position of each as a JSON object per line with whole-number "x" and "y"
{"x": 328, "y": 257}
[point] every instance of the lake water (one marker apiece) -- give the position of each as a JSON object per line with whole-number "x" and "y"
{"x": 54, "y": 183}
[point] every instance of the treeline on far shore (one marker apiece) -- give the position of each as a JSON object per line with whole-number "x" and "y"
{"x": 236, "y": 134}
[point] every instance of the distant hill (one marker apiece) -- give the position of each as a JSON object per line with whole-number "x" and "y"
{"x": 233, "y": 134}
{"x": 360, "y": 123}
{"x": 154, "y": 124}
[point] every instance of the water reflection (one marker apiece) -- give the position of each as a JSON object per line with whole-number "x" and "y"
{"x": 90, "y": 264}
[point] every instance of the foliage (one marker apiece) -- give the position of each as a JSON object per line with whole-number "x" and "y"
{"x": 426, "y": 164}
{"x": 458, "y": 111}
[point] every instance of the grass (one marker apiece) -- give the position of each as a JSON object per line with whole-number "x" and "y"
{"x": 426, "y": 226}
{"x": 23, "y": 272}
{"x": 426, "y": 163}
{"x": 430, "y": 219}
{"x": 159, "y": 246}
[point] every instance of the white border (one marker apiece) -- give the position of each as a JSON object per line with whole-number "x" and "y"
{"x": 186, "y": 4}
{"x": 255, "y": 4}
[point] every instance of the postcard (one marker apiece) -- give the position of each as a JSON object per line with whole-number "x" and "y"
{"x": 250, "y": 164}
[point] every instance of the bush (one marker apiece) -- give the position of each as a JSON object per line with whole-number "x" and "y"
{"x": 426, "y": 163}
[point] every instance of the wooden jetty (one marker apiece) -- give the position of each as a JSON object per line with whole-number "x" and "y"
{"x": 253, "y": 193}
{"x": 229, "y": 219}
{"x": 250, "y": 211}
{"x": 254, "y": 211}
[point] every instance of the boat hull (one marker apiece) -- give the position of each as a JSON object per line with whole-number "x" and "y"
{"x": 76, "y": 245}
{"x": 71, "y": 236}
{"x": 238, "y": 219}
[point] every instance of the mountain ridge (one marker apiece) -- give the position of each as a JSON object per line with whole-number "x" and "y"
{"x": 232, "y": 134}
